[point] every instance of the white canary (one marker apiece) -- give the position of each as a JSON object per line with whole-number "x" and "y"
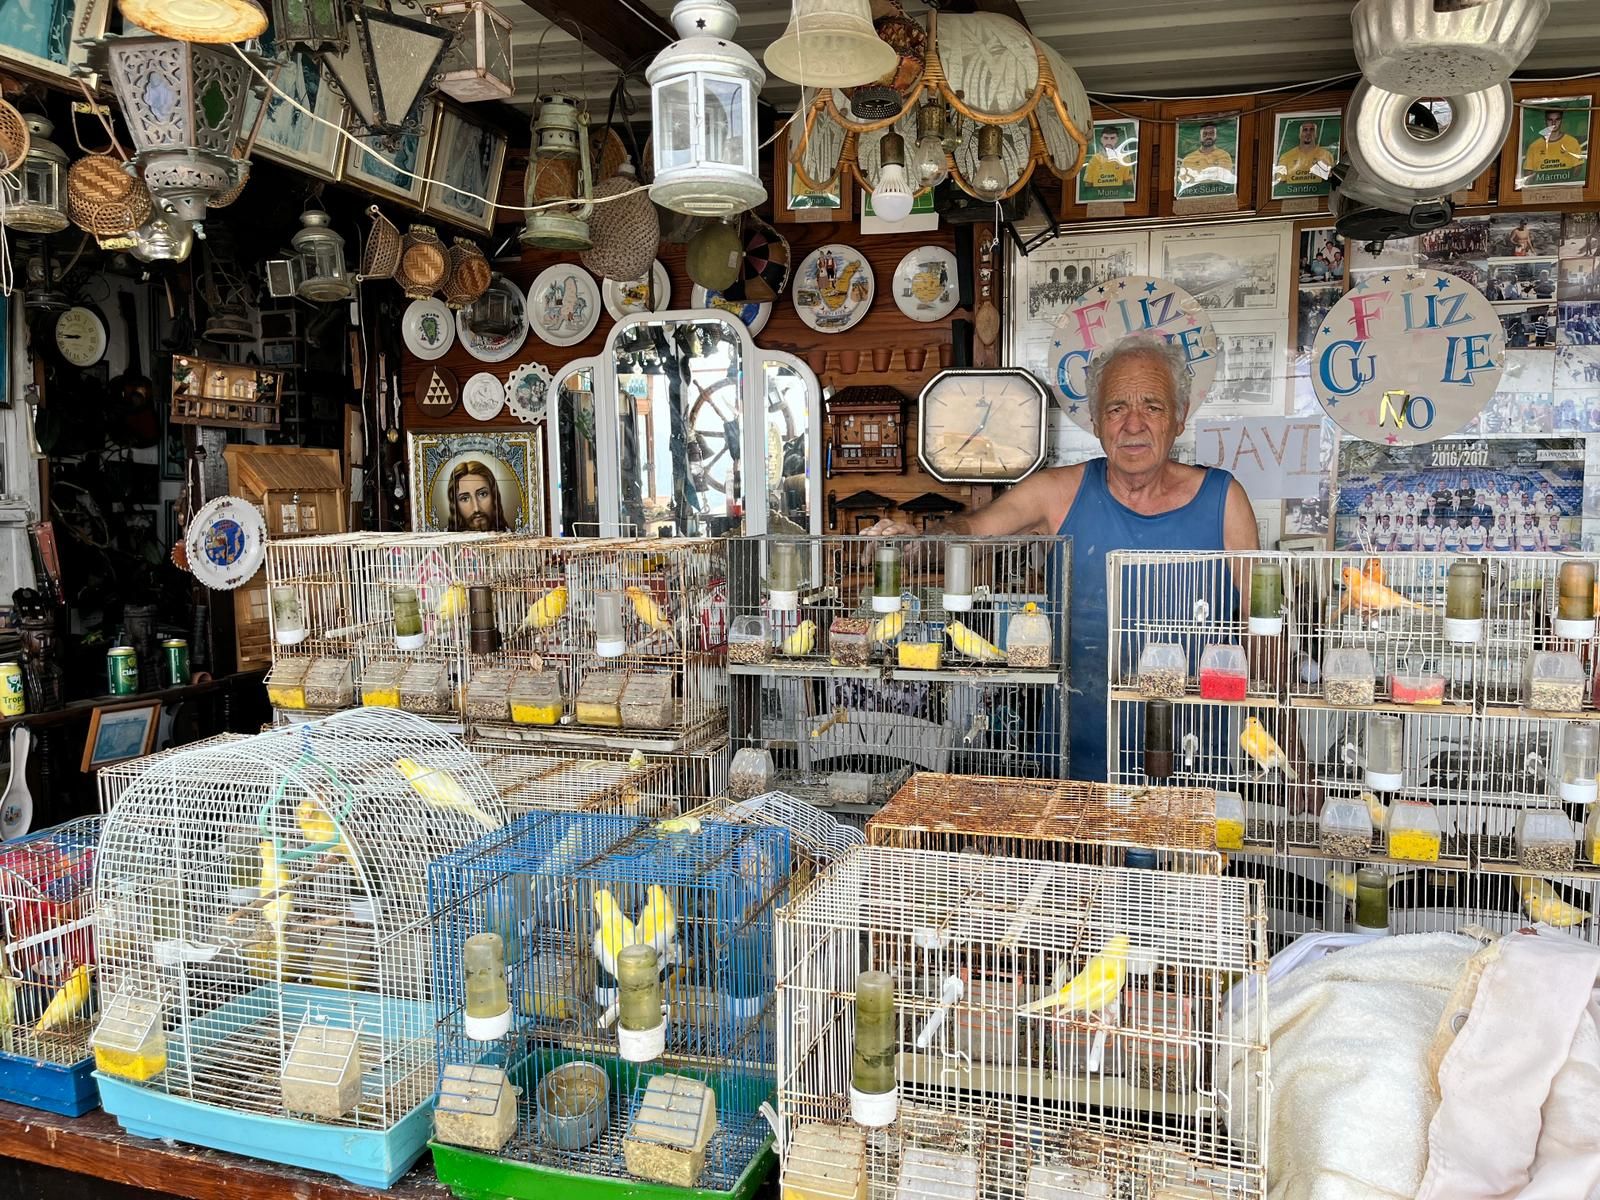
{"x": 658, "y": 922}
{"x": 1093, "y": 988}
{"x": 442, "y": 790}
{"x": 615, "y": 932}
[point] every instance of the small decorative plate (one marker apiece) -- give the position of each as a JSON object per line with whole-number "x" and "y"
{"x": 226, "y": 542}
{"x": 563, "y": 304}
{"x": 437, "y": 392}
{"x": 926, "y": 285}
{"x": 486, "y": 347}
{"x": 625, "y": 299}
{"x": 527, "y": 392}
{"x": 428, "y": 328}
{"x": 833, "y": 288}
{"x": 755, "y": 316}
{"x": 483, "y": 396}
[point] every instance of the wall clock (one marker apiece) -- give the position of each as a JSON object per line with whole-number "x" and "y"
{"x": 80, "y": 336}
{"x": 982, "y": 426}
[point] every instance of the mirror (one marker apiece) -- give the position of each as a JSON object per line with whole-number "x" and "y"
{"x": 578, "y": 480}
{"x": 789, "y": 446}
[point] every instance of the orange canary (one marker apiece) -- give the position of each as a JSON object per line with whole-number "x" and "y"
{"x": 1361, "y": 591}
{"x": 1373, "y": 570}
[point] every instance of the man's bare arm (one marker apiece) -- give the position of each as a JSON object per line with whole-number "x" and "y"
{"x": 1031, "y": 507}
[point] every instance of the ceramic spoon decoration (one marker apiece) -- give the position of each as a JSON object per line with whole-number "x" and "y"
{"x": 16, "y": 803}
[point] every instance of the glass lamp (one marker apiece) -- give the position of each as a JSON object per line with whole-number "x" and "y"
{"x": 931, "y": 163}
{"x": 320, "y": 250}
{"x": 307, "y": 24}
{"x": 478, "y": 64}
{"x": 828, "y": 44}
{"x": 703, "y": 101}
{"x": 386, "y": 63}
{"x": 214, "y": 21}
{"x": 892, "y": 198}
{"x": 558, "y": 169}
{"x": 990, "y": 180}
{"x": 41, "y": 207}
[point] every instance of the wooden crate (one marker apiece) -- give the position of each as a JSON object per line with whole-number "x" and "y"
{"x": 230, "y": 395}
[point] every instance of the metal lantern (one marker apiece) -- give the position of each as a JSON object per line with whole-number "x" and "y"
{"x": 308, "y": 24}
{"x": 321, "y": 254}
{"x": 385, "y": 65}
{"x": 478, "y": 63}
{"x": 558, "y": 170}
{"x": 703, "y": 100}
{"x": 42, "y": 206}
{"x": 183, "y": 103}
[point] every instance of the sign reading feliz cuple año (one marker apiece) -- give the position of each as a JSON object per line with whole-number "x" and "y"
{"x": 1407, "y": 356}
{"x": 1119, "y": 308}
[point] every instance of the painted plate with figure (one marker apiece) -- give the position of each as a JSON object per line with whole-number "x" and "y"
{"x": 834, "y": 288}
{"x": 563, "y": 304}
{"x": 428, "y": 328}
{"x": 527, "y": 393}
{"x": 226, "y": 542}
{"x": 926, "y": 284}
{"x": 754, "y": 315}
{"x": 483, "y": 396}
{"x": 625, "y": 299}
{"x": 495, "y": 347}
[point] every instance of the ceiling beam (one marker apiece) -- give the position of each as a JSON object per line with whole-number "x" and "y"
{"x": 626, "y": 34}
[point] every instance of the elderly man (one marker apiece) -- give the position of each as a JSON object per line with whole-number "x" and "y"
{"x": 1135, "y": 498}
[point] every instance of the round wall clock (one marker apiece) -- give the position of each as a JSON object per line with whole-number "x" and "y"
{"x": 437, "y": 391}
{"x": 833, "y": 288}
{"x": 80, "y": 336}
{"x": 982, "y": 426}
{"x": 226, "y": 541}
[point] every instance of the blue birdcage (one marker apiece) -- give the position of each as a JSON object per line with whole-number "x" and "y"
{"x": 566, "y": 892}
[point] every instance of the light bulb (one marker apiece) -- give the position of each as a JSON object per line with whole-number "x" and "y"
{"x": 990, "y": 178}
{"x": 932, "y": 165}
{"x": 892, "y": 198}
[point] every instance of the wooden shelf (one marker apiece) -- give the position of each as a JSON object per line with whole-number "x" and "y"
{"x": 80, "y": 709}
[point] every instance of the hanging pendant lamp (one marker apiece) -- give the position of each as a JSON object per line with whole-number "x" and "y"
{"x": 212, "y": 21}
{"x": 828, "y": 44}
{"x": 387, "y": 63}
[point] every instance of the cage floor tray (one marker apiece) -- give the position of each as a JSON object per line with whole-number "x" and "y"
{"x": 472, "y": 1175}
{"x": 67, "y": 1090}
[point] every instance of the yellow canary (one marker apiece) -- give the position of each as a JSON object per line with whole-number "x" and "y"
{"x": 1377, "y": 810}
{"x": 972, "y": 645}
{"x": 1363, "y": 591}
{"x": 802, "y": 641}
{"x": 637, "y": 761}
{"x": 688, "y": 826}
{"x": 886, "y": 629}
{"x": 545, "y": 611}
{"x": 68, "y": 1002}
{"x": 615, "y": 932}
{"x": 442, "y": 790}
{"x": 1263, "y": 747}
{"x": 658, "y": 921}
{"x": 275, "y": 892}
{"x": 1544, "y": 904}
{"x": 647, "y": 610}
{"x": 1094, "y": 987}
{"x": 1343, "y": 883}
{"x": 453, "y": 603}
{"x": 319, "y": 829}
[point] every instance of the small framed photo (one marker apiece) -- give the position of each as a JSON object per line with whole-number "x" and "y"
{"x": 1305, "y": 147}
{"x": 119, "y": 733}
{"x": 797, "y": 202}
{"x": 1111, "y": 169}
{"x": 1547, "y": 159}
{"x": 1114, "y": 177}
{"x": 286, "y": 134}
{"x": 400, "y": 177}
{"x": 49, "y": 37}
{"x": 468, "y": 161}
{"x": 1208, "y": 159}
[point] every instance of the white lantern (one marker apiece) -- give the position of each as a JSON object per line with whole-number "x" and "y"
{"x": 478, "y": 64}
{"x": 323, "y": 277}
{"x": 703, "y": 103}
{"x": 40, "y": 205}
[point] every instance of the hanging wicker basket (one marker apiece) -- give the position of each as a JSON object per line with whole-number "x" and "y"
{"x": 14, "y": 139}
{"x": 381, "y": 257}
{"x": 424, "y": 264}
{"x": 103, "y": 199}
{"x": 233, "y": 193}
{"x": 469, "y": 275}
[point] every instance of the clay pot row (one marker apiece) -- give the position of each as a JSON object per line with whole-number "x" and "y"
{"x": 914, "y": 359}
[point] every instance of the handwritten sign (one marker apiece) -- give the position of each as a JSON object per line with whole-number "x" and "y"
{"x": 1407, "y": 356}
{"x": 1273, "y": 458}
{"x": 1119, "y": 308}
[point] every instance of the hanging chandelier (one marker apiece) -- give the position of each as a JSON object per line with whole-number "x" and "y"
{"x": 383, "y": 65}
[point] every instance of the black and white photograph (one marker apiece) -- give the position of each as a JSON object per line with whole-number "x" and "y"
{"x": 1580, "y": 279}
{"x": 1580, "y": 324}
{"x": 1250, "y": 375}
{"x": 469, "y": 158}
{"x": 1513, "y": 279}
{"x": 1222, "y": 271}
{"x": 1466, "y": 238}
{"x": 1577, "y": 366}
{"x": 1580, "y": 235}
{"x": 1314, "y": 306}
{"x": 1061, "y": 271}
{"x": 1321, "y": 255}
{"x": 1528, "y": 327}
{"x": 1525, "y": 235}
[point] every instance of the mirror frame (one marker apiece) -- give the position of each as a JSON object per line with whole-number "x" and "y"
{"x": 552, "y": 441}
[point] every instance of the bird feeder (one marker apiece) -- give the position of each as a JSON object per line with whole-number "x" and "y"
{"x": 321, "y": 254}
{"x": 478, "y": 64}
{"x": 41, "y": 207}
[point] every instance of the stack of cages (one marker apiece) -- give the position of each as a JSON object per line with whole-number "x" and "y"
{"x": 606, "y": 1006}
{"x": 48, "y": 983}
{"x": 316, "y": 622}
{"x": 261, "y": 914}
{"x": 856, "y": 661}
{"x": 1021, "y": 1029}
{"x": 692, "y": 778}
{"x": 816, "y": 838}
{"x": 530, "y": 779}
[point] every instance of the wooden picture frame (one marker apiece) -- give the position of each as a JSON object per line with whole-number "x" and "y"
{"x": 1238, "y": 114}
{"x": 412, "y": 155}
{"x": 1150, "y": 133}
{"x": 1513, "y": 157}
{"x": 28, "y": 42}
{"x": 120, "y": 732}
{"x": 453, "y": 131}
{"x": 286, "y": 135}
{"x": 783, "y": 182}
{"x": 1320, "y": 105}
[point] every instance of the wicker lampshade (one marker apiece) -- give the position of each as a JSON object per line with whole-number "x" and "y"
{"x": 625, "y": 233}
{"x": 469, "y": 274}
{"x": 103, "y": 199}
{"x": 424, "y": 265}
{"x": 14, "y": 137}
{"x": 381, "y": 256}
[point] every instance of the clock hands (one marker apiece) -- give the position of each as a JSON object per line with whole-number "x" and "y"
{"x": 988, "y": 411}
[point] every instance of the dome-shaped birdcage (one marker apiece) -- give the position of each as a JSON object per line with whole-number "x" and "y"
{"x": 263, "y": 941}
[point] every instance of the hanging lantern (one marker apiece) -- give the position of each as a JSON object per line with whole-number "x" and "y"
{"x": 384, "y": 67}
{"x": 478, "y": 63}
{"x": 183, "y": 103}
{"x": 323, "y": 277}
{"x": 307, "y": 24}
{"x": 560, "y": 136}
{"x": 42, "y": 206}
{"x": 214, "y": 21}
{"x": 703, "y": 99}
{"x": 469, "y": 274}
{"x": 828, "y": 44}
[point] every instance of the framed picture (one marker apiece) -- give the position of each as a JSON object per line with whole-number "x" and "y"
{"x": 1208, "y": 158}
{"x": 43, "y": 36}
{"x": 286, "y": 134}
{"x": 1250, "y": 380}
{"x": 792, "y": 201}
{"x": 489, "y": 482}
{"x": 1547, "y": 159}
{"x": 468, "y": 156}
{"x": 403, "y": 180}
{"x": 1228, "y": 271}
{"x": 1111, "y": 170}
{"x": 1305, "y": 147}
{"x": 117, "y": 734}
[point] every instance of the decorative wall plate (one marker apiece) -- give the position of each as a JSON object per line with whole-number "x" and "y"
{"x": 833, "y": 289}
{"x": 755, "y": 316}
{"x": 226, "y": 542}
{"x": 527, "y": 392}
{"x": 624, "y": 299}
{"x": 437, "y": 391}
{"x": 491, "y": 347}
{"x": 926, "y": 284}
{"x": 428, "y": 328}
{"x": 563, "y": 304}
{"x": 483, "y": 396}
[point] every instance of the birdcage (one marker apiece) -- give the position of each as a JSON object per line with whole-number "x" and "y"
{"x": 633, "y": 1010}
{"x": 854, "y": 661}
{"x": 816, "y": 838}
{"x": 693, "y": 776}
{"x": 112, "y": 781}
{"x": 263, "y": 946}
{"x": 529, "y": 779}
{"x": 47, "y": 968}
{"x": 910, "y": 985}
{"x": 1057, "y": 820}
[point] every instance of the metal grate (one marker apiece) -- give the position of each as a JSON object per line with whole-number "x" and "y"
{"x": 112, "y": 781}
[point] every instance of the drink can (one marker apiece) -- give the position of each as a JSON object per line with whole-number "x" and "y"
{"x": 175, "y": 662}
{"x": 12, "y": 701}
{"x": 122, "y": 671}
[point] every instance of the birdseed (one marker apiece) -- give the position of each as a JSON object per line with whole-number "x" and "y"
{"x": 1556, "y": 697}
{"x": 1548, "y": 856}
{"x": 1347, "y": 693}
{"x": 1163, "y": 683}
{"x": 1345, "y": 845}
{"x": 745, "y": 653}
{"x": 489, "y": 710}
{"x": 1028, "y": 656}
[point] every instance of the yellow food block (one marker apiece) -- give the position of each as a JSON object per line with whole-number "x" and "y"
{"x": 536, "y": 714}
{"x": 1230, "y": 834}
{"x": 287, "y": 696}
{"x": 129, "y": 1041}
{"x": 380, "y": 697}
{"x": 599, "y": 714}
{"x": 920, "y": 656}
{"x": 132, "y": 1064}
{"x": 1414, "y": 845}
{"x": 826, "y": 1162}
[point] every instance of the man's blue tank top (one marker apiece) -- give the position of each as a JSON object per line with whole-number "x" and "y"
{"x": 1098, "y": 522}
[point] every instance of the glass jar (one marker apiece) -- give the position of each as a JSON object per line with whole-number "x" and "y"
{"x": 1580, "y": 762}
{"x": 329, "y": 683}
{"x": 1372, "y": 901}
{"x": 600, "y": 699}
{"x": 1386, "y": 754}
{"x": 1163, "y": 671}
{"x": 1344, "y": 828}
{"x": 887, "y": 566}
{"x": 1546, "y": 840}
{"x": 1224, "y": 672}
{"x": 874, "y": 1097}
{"x": 784, "y": 573}
{"x": 1575, "y": 601}
{"x": 488, "y": 1014}
{"x": 408, "y": 633}
{"x": 1554, "y": 682}
{"x": 286, "y": 683}
{"x": 641, "y": 1026}
{"x": 751, "y": 773}
{"x": 920, "y": 649}
{"x": 1158, "y": 743}
{"x": 1415, "y": 834}
{"x": 749, "y": 641}
{"x": 1349, "y": 679}
{"x": 609, "y": 639}
{"x": 1266, "y": 599}
{"x": 425, "y": 689}
{"x": 1415, "y": 684}
{"x": 958, "y": 578}
{"x": 488, "y": 695}
{"x": 288, "y": 617}
{"x": 380, "y": 685}
{"x": 1463, "y": 603}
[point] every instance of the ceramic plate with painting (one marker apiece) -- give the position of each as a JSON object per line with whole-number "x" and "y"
{"x": 926, "y": 286}
{"x": 834, "y": 288}
{"x": 755, "y": 316}
{"x": 427, "y": 328}
{"x": 506, "y": 338}
{"x": 624, "y": 299}
{"x": 563, "y": 304}
{"x": 226, "y": 542}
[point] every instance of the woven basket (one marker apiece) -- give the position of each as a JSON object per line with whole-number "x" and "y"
{"x": 233, "y": 193}
{"x": 424, "y": 264}
{"x": 469, "y": 274}
{"x": 381, "y": 256}
{"x": 625, "y": 233}
{"x": 104, "y": 199}
{"x": 14, "y": 139}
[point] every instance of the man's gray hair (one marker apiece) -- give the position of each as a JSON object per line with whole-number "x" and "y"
{"x": 1142, "y": 345}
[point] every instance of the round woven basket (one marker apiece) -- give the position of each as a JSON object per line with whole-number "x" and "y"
{"x": 625, "y": 233}
{"x": 424, "y": 264}
{"x": 14, "y": 139}
{"x": 381, "y": 256}
{"x": 104, "y": 199}
{"x": 469, "y": 274}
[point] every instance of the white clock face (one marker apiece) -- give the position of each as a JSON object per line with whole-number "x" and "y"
{"x": 80, "y": 337}
{"x": 982, "y": 426}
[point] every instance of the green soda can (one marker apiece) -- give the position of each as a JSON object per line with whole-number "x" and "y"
{"x": 175, "y": 662}
{"x": 122, "y": 671}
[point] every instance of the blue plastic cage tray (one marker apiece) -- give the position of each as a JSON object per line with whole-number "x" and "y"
{"x": 69, "y": 1090}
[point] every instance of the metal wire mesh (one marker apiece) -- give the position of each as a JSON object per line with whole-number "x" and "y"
{"x": 47, "y": 954}
{"x": 543, "y": 884}
{"x": 112, "y": 781}
{"x": 248, "y": 889}
{"x": 1134, "y": 1089}
{"x": 528, "y": 780}
{"x": 693, "y": 776}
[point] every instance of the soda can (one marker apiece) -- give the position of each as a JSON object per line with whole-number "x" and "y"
{"x": 12, "y": 701}
{"x": 175, "y": 662}
{"x": 122, "y": 671}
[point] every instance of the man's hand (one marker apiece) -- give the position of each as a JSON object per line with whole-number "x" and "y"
{"x": 890, "y": 529}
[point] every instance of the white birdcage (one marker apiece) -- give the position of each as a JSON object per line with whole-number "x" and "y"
{"x": 693, "y": 776}
{"x": 47, "y": 967}
{"x": 261, "y": 902}
{"x": 112, "y": 781}
{"x": 1123, "y": 1087}
{"x": 529, "y": 779}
